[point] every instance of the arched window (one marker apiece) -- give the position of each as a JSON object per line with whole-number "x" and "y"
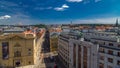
{"x": 17, "y": 54}
{"x": 17, "y": 50}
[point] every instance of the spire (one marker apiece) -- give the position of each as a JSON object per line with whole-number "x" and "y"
{"x": 71, "y": 22}
{"x": 71, "y": 25}
{"x": 117, "y": 23}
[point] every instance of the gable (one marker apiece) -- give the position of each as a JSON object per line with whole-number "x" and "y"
{"x": 16, "y": 37}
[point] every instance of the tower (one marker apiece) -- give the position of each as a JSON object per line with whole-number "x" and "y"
{"x": 71, "y": 25}
{"x": 116, "y": 25}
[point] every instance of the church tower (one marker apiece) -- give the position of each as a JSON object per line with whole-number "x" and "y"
{"x": 117, "y": 25}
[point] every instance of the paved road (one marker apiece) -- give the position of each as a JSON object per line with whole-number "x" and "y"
{"x": 46, "y": 43}
{"x": 47, "y": 54}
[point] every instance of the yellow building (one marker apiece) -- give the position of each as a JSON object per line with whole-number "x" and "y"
{"x": 53, "y": 42}
{"x": 16, "y": 50}
{"x": 54, "y": 33}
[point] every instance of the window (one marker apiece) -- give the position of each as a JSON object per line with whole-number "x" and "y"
{"x": 110, "y": 44}
{"x": 118, "y": 62}
{"x": 119, "y": 45}
{"x": 5, "y": 50}
{"x": 17, "y": 50}
{"x": 109, "y": 66}
{"x": 29, "y": 62}
{"x": 29, "y": 53}
{"x": 102, "y": 57}
{"x": 17, "y": 54}
{"x": 110, "y": 60}
{"x": 17, "y": 63}
{"x": 101, "y": 65}
{"x": 29, "y": 49}
{"x": 102, "y": 50}
{"x": 118, "y": 54}
{"x": 104, "y": 43}
{"x": 110, "y": 52}
{"x": 95, "y": 42}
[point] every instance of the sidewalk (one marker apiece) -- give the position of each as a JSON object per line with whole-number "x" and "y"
{"x": 28, "y": 66}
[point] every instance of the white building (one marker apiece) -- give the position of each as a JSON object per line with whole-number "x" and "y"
{"x": 109, "y": 48}
{"x": 74, "y": 52}
{"x": 83, "y": 54}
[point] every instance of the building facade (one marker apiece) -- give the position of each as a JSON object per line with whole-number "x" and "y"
{"x": 109, "y": 48}
{"x": 16, "y": 50}
{"x": 53, "y": 42}
{"x": 63, "y": 49}
{"x": 54, "y": 33}
{"x": 82, "y": 54}
{"x": 74, "y": 52}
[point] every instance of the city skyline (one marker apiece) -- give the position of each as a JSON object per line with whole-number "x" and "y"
{"x": 59, "y": 11}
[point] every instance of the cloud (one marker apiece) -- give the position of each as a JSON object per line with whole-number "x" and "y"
{"x": 89, "y": 1}
{"x": 62, "y": 8}
{"x": 19, "y": 18}
{"x": 43, "y": 8}
{"x": 74, "y": 0}
{"x": 65, "y": 6}
{"x": 59, "y": 9}
{"x": 5, "y": 17}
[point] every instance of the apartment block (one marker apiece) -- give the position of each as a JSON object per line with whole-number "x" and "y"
{"x": 109, "y": 48}
{"x": 74, "y": 52}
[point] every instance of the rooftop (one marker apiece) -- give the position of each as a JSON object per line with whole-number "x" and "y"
{"x": 16, "y": 35}
{"x": 72, "y": 34}
{"x": 14, "y": 30}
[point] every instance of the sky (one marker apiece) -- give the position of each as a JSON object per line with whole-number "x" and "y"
{"x": 59, "y": 11}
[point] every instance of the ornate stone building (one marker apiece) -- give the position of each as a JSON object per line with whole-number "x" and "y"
{"x": 16, "y": 50}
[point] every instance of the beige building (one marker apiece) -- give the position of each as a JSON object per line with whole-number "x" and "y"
{"x": 16, "y": 50}
{"x": 53, "y": 41}
{"x": 54, "y": 33}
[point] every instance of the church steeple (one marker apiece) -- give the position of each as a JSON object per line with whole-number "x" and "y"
{"x": 116, "y": 25}
{"x": 71, "y": 23}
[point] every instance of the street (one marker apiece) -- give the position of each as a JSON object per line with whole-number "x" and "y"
{"x": 49, "y": 63}
{"x": 46, "y": 52}
{"x": 46, "y": 43}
